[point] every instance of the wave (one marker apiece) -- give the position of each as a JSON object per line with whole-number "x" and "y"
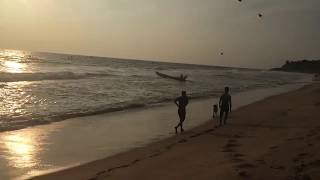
{"x": 8, "y": 124}
{"x": 15, "y": 77}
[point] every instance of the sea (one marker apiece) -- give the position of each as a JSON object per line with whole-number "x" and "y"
{"x": 39, "y": 88}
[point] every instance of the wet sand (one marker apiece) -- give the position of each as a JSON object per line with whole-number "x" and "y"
{"x": 276, "y": 138}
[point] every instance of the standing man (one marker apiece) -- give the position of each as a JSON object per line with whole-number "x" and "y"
{"x": 181, "y": 102}
{"x": 225, "y": 105}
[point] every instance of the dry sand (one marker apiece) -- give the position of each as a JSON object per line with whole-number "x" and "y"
{"x": 277, "y": 138}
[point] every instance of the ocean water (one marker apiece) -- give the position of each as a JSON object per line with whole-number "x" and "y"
{"x": 39, "y": 88}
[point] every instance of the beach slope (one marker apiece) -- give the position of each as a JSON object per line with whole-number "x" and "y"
{"x": 276, "y": 138}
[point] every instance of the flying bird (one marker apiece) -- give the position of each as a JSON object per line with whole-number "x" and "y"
{"x": 240, "y": 0}
{"x": 260, "y": 15}
{"x": 221, "y": 53}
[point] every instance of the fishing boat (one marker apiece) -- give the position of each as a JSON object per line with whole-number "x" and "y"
{"x": 182, "y": 78}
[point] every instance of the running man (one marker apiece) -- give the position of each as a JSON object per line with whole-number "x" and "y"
{"x": 181, "y": 102}
{"x": 225, "y": 105}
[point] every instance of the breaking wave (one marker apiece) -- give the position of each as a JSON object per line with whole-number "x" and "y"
{"x": 15, "y": 77}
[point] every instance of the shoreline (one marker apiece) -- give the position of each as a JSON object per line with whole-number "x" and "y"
{"x": 133, "y": 153}
{"x": 114, "y": 108}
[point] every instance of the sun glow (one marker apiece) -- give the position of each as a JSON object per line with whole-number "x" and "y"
{"x": 13, "y": 66}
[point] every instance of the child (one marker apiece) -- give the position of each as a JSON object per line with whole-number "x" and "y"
{"x": 215, "y": 110}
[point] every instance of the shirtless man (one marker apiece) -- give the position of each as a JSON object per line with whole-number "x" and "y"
{"x": 181, "y": 102}
{"x": 225, "y": 105}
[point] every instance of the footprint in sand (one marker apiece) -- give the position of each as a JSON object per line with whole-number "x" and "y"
{"x": 182, "y": 141}
{"x": 228, "y": 150}
{"x": 209, "y": 130}
{"x": 303, "y": 177}
{"x": 315, "y": 163}
{"x": 302, "y": 154}
{"x": 195, "y": 135}
{"x": 245, "y": 166}
{"x": 278, "y": 167}
{"x": 296, "y": 160}
{"x": 232, "y": 141}
{"x": 237, "y": 155}
{"x": 311, "y": 134}
{"x": 261, "y": 161}
{"x": 170, "y": 146}
{"x": 299, "y": 168}
{"x": 119, "y": 167}
{"x": 231, "y": 145}
{"x": 300, "y": 157}
{"x": 295, "y": 138}
{"x": 135, "y": 161}
{"x": 244, "y": 174}
{"x": 154, "y": 155}
{"x": 274, "y": 147}
{"x": 238, "y": 136}
{"x": 101, "y": 172}
{"x": 237, "y": 160}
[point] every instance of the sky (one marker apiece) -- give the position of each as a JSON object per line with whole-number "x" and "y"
{"x": 183, "y": 31}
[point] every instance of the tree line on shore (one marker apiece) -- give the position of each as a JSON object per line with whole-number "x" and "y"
{"x": 303, "y": 66}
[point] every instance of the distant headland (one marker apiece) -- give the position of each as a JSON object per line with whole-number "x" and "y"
{"x": 303, "y": 66}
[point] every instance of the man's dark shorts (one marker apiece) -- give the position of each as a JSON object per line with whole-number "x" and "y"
{"x": 224, "y": 109}
{"x": 182, "y": 113}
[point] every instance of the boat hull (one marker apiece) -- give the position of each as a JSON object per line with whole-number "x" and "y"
{"x": 170, "y": 77}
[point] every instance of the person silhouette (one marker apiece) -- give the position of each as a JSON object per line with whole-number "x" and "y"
{"x": 225, "y": 105}
{"x": 215, "y": 110}
{"x": 181, "y": 102}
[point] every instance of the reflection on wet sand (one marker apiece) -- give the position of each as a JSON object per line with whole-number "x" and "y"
{"x": 22, "y": 152}
{"x": 21, "y": 148}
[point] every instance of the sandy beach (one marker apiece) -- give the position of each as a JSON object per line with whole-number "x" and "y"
{"x": 276, "y": 138}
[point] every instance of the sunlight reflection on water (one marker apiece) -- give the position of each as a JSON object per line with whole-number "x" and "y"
{"x": 14, "y": 67}
{"x": 20, "y": 148}
{"x": 11, "y": 61}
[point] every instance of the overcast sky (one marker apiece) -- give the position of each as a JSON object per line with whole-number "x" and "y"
{"x": 186, "y": 31}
